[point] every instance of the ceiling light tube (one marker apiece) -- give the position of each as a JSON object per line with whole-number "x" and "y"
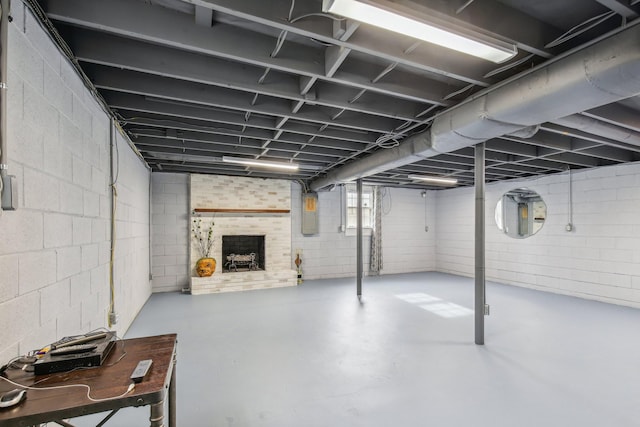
{"x": 260, "y": 163}
{"x": 429, "y": 29}
{"x": 434, "y": 179}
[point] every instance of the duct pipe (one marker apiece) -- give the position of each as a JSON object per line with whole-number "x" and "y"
{"x": 603, "y": 72}
{"x": 412, "y": 149}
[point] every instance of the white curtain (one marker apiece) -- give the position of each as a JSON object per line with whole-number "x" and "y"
{"x": 375, "y": 263}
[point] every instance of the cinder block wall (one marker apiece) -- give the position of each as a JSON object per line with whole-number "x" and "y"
{"x": 599, "y": 260}
{"x": 54, "y": 250}
{"x": 170, "y": 231}
{"x": 330, "y": 253}
{"x": 406, "y": 245}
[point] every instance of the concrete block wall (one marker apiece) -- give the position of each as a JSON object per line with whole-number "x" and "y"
{"x": 54, "y": 251}
{"x": 406, "y": 246}
{"x": 170, "y": 231}
{"x": 132, "y": 265}
{"x": 330, "y": 253}
{"x": 599, "y": 259}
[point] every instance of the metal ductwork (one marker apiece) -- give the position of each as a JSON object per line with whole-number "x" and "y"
{"x": 601, "y": 73}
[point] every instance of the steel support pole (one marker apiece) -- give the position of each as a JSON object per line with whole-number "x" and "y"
{"x": 4, "y": 43}
{"x": 359, "y": 238}
{"x": 479, "y": 244}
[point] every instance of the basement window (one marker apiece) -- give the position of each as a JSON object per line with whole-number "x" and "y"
{"x": 351, "y": 195}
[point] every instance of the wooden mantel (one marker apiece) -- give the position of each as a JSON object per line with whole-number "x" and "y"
{"x": 242, "y": 211}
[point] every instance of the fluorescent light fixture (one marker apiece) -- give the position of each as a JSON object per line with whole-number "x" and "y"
{"x": 430, "y": 29}
{"x": 260, "y": 163}
{"x": 434, "y": 179}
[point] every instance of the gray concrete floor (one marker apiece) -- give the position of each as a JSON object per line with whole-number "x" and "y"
{"x": 314, "y": 355}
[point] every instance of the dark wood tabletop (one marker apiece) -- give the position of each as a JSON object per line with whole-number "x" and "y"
{"x": 107, "y": 381}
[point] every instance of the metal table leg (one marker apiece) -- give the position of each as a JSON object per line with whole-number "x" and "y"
{"x": 172, "y": 398}
{"x": 157, "y": 414}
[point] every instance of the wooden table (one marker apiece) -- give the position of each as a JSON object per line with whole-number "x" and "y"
{"x": 107, "y": 381}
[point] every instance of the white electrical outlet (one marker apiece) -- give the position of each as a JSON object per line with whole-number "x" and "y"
{"x": 568, "y": 227}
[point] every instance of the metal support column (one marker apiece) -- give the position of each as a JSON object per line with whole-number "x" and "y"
{"x": 4, "y": 33}
{"x": 359, "y": 238}
{"x": 479, "y": 244}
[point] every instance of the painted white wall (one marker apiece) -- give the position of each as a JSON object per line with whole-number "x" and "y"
{"x": 330, "y": 253}
{"x": 54, "y": 251}
{"x": 406, "y": 246}
{"x": 599, "y": 260}
{"x": 170, "y": 231}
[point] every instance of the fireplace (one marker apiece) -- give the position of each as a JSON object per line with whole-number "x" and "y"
{"x": 243, "y": 253}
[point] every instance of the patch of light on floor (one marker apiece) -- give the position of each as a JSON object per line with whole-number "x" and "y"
{"x": 435, "y": 305}
{"x": 447, "y": 309}
{"x": 417, "y": 298}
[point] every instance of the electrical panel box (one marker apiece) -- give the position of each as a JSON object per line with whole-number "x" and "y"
{"x": 310, "y": 213}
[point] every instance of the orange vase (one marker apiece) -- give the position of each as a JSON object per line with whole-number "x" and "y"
{"x": 205, "y": 267}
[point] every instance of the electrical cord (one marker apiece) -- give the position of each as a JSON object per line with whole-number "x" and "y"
{"x": 58, "y": 387}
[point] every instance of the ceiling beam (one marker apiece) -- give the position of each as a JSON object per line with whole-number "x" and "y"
{"x": 616, "y": 114}
{"x": 170, "y": 28}
{"x": 204, "y": 16}
{"x": 620, "y": 7}
{"x": 193, "y": 148}
{"x": 253, "y": 133}
{"x": 199, "y": 94}
{"x": 132, "y": 106}
{"x": 206, "y": 138}
{"x": 104, "y": 49}
{"x": 388, "y": 46}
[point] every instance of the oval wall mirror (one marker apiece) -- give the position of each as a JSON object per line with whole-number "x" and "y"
{"x": 520, "y": 213}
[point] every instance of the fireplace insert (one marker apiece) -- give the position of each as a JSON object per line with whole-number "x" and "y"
{"x": 242, "y": 253}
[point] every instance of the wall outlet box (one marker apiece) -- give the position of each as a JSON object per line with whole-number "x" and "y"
{"x": 113, "y": 318}
{"x": 9, "y": 193}
{"x": 568, "y": 227}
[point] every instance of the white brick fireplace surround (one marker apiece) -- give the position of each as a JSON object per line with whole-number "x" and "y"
{"x": 237, "y": 195}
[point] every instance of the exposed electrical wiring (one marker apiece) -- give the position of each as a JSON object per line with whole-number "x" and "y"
{"x": 509, "y": 66}
{"x": 458, "y": 92}
{"x": 464, "y": 6}
{"x": 264, "y": 75}
{"x": 279, "y": 42}
{"x": 577, "y": 30}
{"x": 293, "y": 4}
{"x": 305, "y": 188}
{"x": 60, "y": 387}
{"x": 321, "y": 42}
{"x": 388, "y": 141}
{"x": 129, "y": 120}
{"x": 323, "y": 15}
{"x": 112, "y": 318}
